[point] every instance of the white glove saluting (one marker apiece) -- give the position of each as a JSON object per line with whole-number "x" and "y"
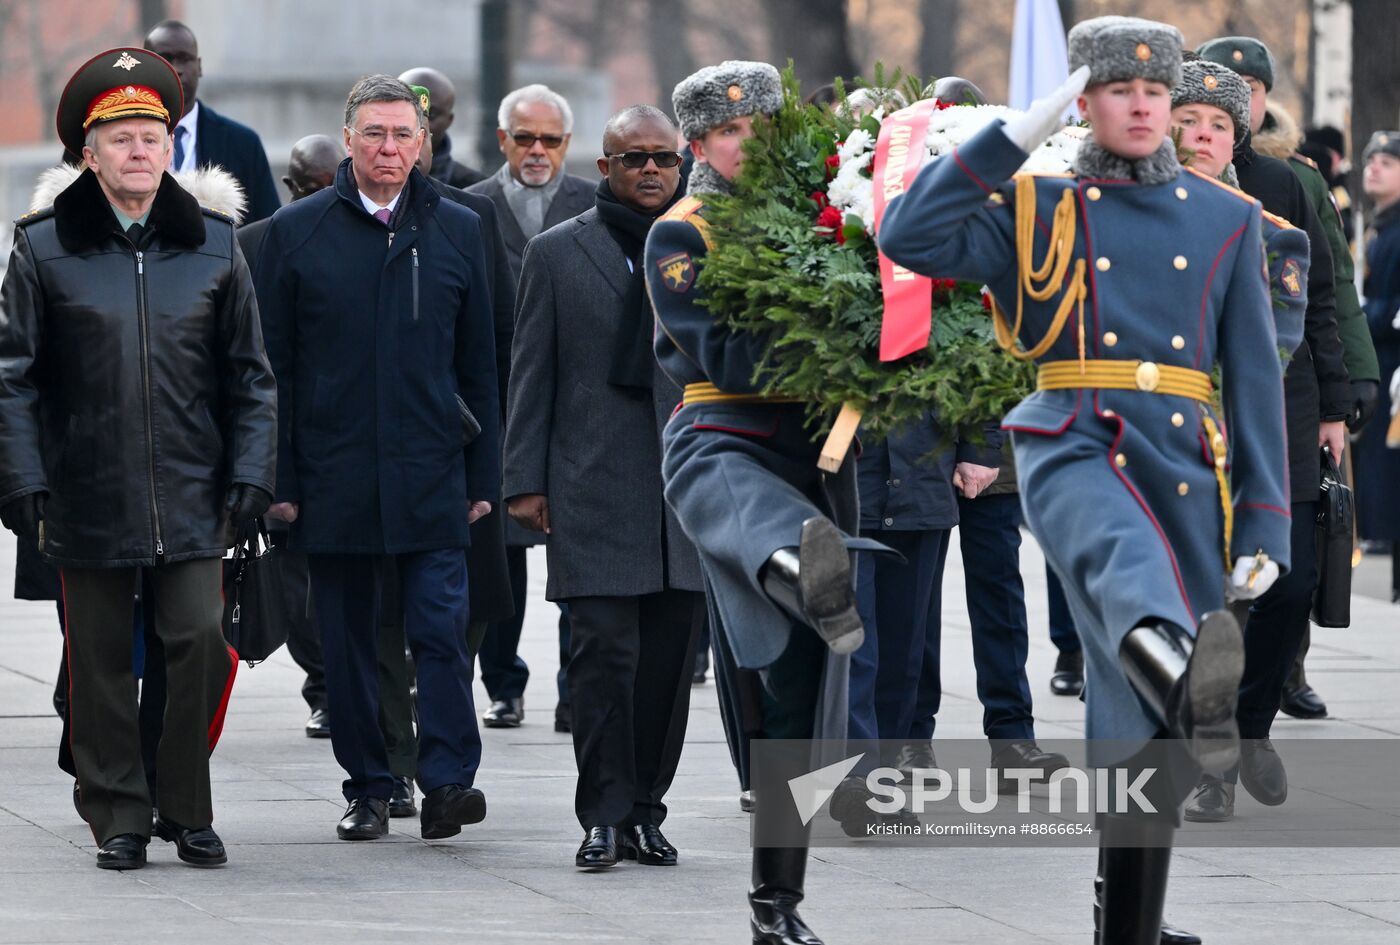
{"x": 1045, "y": 116}
{"x": 1251, "y": 578}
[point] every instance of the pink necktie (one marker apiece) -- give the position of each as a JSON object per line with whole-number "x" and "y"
{"x": 383, "y": 215}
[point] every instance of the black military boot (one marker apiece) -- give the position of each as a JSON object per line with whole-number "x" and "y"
{"x": 1169, "y": 936}
{"x": 778, "y": 874}
{"x": 1131, "y": 887}
{"x": 1192, "y": 685}
{"x": 813, "y": 583}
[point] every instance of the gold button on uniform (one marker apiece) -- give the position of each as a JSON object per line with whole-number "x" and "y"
{"x": 1109, "y": 413}
{"x": 1103, "y": 264}
{"x": 1121, "y": 460}
{"x": 1177, "y": 419}
{"x": 1182, "y": 488}
{"x": 1181, "y": 193}
{"x": 1178, "y": 342}
{"x": 1179, "y": 262}
{"x": 1110, "y": 339}
{"x": 1093, "y": 193}
{"x": 1148, "y": 376}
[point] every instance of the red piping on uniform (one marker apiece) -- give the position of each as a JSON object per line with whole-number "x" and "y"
{"x": 724, "y": 429}
{"x": 1171, "y": 555}
{"x": 968, "y": 171}
{"x": 216, "y": 724}
{"x": 1078, "y": 402}
{"x": 1267, "y": 508}
{"x": 1205, "y": 296}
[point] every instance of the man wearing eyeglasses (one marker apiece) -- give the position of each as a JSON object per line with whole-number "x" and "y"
{"x": 376, "y": 306}
{"x": 532, "y": 193}
{"x": 583, "y": 461}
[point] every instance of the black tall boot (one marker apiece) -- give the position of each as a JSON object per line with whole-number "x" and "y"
{"x": 1131, "y": 888}
{"x": 813, "y": 583}
{"x": 1191, "y": 685}
{"x": 1169, "y": 936}
{"x": 778, "y": 874}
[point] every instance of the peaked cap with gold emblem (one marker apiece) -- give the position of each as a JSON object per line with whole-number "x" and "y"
{"x": 717, "y": 94}
{"x": 120, "y": 83}
{"x": 1120, "y": 48}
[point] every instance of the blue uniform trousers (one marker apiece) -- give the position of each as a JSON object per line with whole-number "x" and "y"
{"x": 347, "y": 590}
{"x": 990, "y": 538}
{"x": 899, "y": 603}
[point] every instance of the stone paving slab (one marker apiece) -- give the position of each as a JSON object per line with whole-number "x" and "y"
{"x": 511, "y": 880}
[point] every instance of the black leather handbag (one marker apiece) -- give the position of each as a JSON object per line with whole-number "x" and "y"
{"x": 256, "y": 619}
{"x": 1335, "y": 521}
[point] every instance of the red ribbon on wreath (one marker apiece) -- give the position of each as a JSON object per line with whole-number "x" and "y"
{"x": 899, "y": 153}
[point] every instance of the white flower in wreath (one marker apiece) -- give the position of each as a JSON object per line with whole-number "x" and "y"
{"x": 852, "y": 192}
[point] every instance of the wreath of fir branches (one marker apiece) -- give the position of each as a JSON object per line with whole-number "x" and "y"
{"x": 774, "y": 273}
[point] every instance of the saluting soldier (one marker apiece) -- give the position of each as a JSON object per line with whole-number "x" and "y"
{"x": 741, "y": 474}
{"x": 1120, "y": 453}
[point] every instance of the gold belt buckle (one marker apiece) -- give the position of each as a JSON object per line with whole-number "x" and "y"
{"x": 1148, "y": 376}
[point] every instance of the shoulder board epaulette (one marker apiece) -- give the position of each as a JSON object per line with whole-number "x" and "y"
{"x": 1304, "y": 159}
{"x": 1277, "y": 221}
{"x": 34, "y": 216}
{"x": 1041, "y": 174}
{"x": 217, "y": 213}
{"x": 1341, "y": 197}
{"x": 1222, "y": 185}
{"x": 683, "y": 209}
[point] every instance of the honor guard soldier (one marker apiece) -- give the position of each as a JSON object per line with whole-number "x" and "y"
{"x": 1131, "y": 279}
{"x": 741, "y": 474}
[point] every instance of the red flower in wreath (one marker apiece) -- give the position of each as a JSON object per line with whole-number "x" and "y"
{"x": 819, "y": 199}
{"x": 833, "y": 164}
{"x": 986, "y": 301}
{"x": 831, "y": 219}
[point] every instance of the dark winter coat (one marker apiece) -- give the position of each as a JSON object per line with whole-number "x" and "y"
{"x": 374, "y": 334}
{"x": 133, "y": 385}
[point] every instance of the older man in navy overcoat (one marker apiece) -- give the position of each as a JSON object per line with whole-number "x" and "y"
{"x": 377, "y": 312}
{"x": 1129, "y": 280}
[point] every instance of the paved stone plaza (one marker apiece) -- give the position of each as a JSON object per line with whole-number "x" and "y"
{"x": 511, "y": 879}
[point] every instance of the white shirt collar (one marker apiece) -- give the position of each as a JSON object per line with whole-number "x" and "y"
{"x": 371, "y": 206}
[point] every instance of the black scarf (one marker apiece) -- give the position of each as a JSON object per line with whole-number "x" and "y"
{"x": 632, "y": 358}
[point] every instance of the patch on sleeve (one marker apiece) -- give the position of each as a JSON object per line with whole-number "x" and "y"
{"x": 1292, "y": 278}
{"x": 677, "y": 271}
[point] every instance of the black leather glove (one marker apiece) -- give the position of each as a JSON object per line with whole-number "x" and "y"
{"x": 245, "y": 502}
{"x": 1364, "y": 396}
{"x": 23, "y": 515}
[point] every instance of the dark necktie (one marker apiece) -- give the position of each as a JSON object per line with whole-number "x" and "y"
{"x": 134, "y": 233}
{"x": 383, "y": 215}
{"x": 180, "y": 134}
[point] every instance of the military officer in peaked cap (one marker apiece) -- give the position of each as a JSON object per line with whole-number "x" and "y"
{"x": 1120, "y": 453}
{"x": 137, "y": 429}
{"x": 741, "y": 473}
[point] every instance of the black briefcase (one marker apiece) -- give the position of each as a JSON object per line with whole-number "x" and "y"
{"x": 1335, "y": 521}
{"x": 255, "y": 617}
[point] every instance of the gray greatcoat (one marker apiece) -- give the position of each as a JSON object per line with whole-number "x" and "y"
{"x": 593, "y": 448}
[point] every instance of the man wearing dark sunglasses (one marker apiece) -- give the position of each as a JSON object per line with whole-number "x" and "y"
{"x": 532, "y": 193}
{"x": 586, "y": 407}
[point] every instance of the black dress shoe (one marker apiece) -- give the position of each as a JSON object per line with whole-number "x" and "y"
{"x": 401, "y": 803}
{"x": 647, "y": 845}
{"x": 319, "y": 724}
{"x": 125, "y": 851}
{"x": 1262, "y": 772}
{"x": 746, "y": 801}
{"x": 505, "y": 713}
{"x": 1212, "y": 803}
{"x": 197, "y": 846}
{"x": 916, "y": 756}
{"x": 850, "y": 807}
{"x": 1024, "y": 753}
{"x": 448, "y": 808}
{"x": 367, "y": 818}
{"x": 598, "y": 850}
{"x": 563, "y": 718}
{"x": 702, "y": 666}
{"x": 1175, "y": 936}
{"x": 1302, "y": 702}
{"x": 1068, "y": 679}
